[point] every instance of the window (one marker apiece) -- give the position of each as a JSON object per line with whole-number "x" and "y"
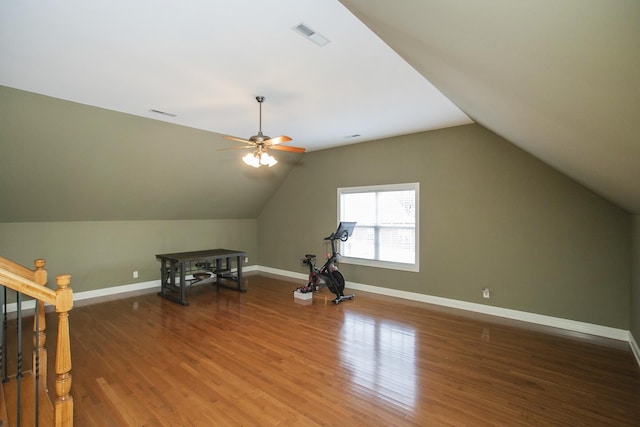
{"x": 386, "y": 233}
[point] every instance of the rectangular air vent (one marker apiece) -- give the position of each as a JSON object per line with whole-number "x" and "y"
{"x": 310, "y": 34}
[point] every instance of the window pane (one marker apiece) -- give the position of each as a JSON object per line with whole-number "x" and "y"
{"x": 361, "y": 206}
{"x": 397, "y": 244}
{"x": 396, "y": 207}
{"x": 361, "y": 244}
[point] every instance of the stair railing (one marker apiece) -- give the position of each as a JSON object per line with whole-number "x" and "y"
{"x": 32, "y": 283}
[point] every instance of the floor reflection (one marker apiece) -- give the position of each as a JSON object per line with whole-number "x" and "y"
{"x": 382, "y": 357}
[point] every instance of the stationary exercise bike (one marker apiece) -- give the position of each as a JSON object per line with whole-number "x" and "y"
{"x": 328, "y": 274}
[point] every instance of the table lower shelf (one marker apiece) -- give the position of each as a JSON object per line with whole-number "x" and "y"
{"x": 176, "y": 293}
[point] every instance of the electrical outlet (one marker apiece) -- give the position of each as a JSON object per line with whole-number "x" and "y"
{"x": 246, "y": 259}
{"x": 486, "y": 293}
{"x": 135, "y": 274}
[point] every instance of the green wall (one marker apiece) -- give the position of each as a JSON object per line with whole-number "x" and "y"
{"x": 101, "y": 254}
{"x": 491, "y": 215}
{"x": 64, "y": 161}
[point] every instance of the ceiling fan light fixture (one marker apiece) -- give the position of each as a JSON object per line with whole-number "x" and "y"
{"x": 251, "y": 159}
{"x": 259, "y": 158}
{"x": 268, "y": 160}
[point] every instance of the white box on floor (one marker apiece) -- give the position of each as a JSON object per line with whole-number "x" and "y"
{"x": 303, "y": 295}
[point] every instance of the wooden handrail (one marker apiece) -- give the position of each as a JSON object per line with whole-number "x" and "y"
{"x": 20, "y": 270}
{"x": 11, "y": 278}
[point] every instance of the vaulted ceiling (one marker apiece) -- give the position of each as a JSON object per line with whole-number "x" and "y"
{"x": 559, "y": 79}
{"x": 204, "y": 62}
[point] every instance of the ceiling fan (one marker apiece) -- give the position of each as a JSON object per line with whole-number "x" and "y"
{"x": 260, "y": 143}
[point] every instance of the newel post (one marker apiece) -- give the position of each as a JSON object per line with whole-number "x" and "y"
{"x": 39, "y": 334}
{"x": 64, "y": 402}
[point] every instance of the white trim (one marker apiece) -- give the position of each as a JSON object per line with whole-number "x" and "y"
{"x": 26, "y": 305}
{"x": 114, "y": 290}
{"x": 634, "y": 347}
{"x": 286, "y": 273}
{"x": 571, "y": 325}
{"x": 414, "y": 268}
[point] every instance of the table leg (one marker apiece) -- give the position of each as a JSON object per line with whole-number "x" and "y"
{"x": 183, "y": 286}
{"x": 218, "y": 272}
{"x": 168, "y": 277}
{"x": 239, "y": 262}
{"x": 163, "y": 276}
{"x": 172, "y": 275}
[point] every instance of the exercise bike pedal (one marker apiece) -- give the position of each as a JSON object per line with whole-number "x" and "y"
{"x": 309, "y": 287}
{"x": 341, "y": 298}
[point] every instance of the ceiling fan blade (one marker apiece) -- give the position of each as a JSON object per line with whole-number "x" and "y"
{"x": 233, "y": 138}
{"x": 243, "y": 147}
{"x": 278, "y": 140}
{"x": 286, "y": 148}
{"x": 262, "y": 142}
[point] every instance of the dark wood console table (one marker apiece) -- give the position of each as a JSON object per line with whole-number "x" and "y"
{"x": 174, "y": 268}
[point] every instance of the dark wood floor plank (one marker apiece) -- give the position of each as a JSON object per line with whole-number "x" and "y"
{"x": 263, "y": 359}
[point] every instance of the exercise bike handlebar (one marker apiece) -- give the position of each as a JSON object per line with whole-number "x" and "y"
{"x": 333, "y": 236}
{"x": 345, "y": 229}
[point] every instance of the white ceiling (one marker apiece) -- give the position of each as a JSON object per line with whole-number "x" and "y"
{"x": 206, "y": 61}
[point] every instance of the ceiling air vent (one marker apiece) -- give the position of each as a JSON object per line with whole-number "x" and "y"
{"x": 310, "y": 34}
{"x": 164, "y": 113}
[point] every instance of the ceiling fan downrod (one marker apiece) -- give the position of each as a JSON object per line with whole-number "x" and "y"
{"x": 260, "y": 100}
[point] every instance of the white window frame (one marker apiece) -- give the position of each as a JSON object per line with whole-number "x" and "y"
{"x": 414, "y": 267}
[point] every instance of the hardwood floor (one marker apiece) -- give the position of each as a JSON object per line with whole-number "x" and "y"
{"x": 262, "y": 359}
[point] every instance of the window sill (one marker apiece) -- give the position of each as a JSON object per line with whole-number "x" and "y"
{"x": 381, "y": 264}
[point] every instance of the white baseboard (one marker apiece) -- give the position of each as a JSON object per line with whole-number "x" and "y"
{"x": 26, "y": 305}
{"x": 286, "y": 273}
{"x": 114, "y": 290}
{"x": 571, "y": 325}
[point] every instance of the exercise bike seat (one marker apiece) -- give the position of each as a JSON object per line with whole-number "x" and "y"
{"x": 309, "y": 256}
